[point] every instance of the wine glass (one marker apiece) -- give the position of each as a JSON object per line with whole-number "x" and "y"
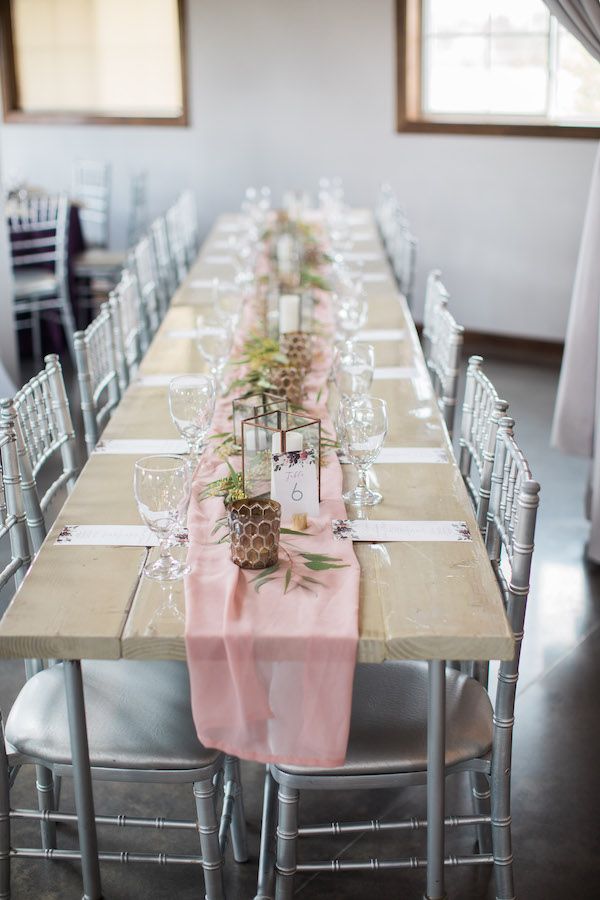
{"x": 227, "y": 300}
{"x": 192, "y": 405}
{"x": 351, "y": 312}
{"x": 162, "y": 485}
{"x": 214, "y": 338}
{"x": 353, "y": 367}
{"x": 362, "y": 426}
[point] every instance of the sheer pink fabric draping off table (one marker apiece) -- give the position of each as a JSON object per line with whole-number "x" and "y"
{"x": 271, "y": 672}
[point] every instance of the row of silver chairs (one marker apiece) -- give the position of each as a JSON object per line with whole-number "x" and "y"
{"x": 140, "y": 727}
{"x": 398, "y": 239}
{"x": 388, "y": 732}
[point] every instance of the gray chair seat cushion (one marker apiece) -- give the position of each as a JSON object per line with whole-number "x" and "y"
{"x": 32, "y": 282}
{"x": 388, "y": 730}
{"x": 138, "y": 717}
{"x": 98, "y": 261}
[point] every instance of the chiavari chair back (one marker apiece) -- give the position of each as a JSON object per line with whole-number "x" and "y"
{"x": 167, "y": 276}
{"x": 38, "y": 229}
{"x": 403, "y": 255}
{"x": 176, "y": 237}
{"x": 97, "y": 374}
{"x": 129, "y": 326}
{"x": 144, "y": 266}
{"x": 41, "y": 418}
{"x": 189, "y": 223}
{"x": 481, "y": 412}
{"x": 446, "y": 340}
{"x": 138, "y": 207}
{"x": 91, "y": 187}
{"x": 12, "y": 507}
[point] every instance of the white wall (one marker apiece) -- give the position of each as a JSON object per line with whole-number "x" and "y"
{"x": 282, "y": 92}
{"x": 9, "y": 375}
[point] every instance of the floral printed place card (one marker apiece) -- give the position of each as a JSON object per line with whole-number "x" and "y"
{"x": 231, "y": 227}
{"x": 367, "y": 256}
{"x": 381, "y": 334}
{"x": 182, "y": 334}
{"x": 395, "y": 373}
{"x": 429, "y": 455}
{"x": 295, "y": 483}
{"x": 206, "y": 284}
{"x": 374, "y": 277}
{"x": 142, "y": 447}
{"x": 380, "y": 531}
{"x": 113, "y": 536}
{"x": 216, "y": 260}
{"x": 155, "y": 380}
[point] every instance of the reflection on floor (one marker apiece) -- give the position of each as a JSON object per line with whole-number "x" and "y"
{"x": 556, "y": 774}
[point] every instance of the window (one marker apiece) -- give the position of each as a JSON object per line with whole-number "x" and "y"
{"x": 493, "y": 66}
{"x": 111, "y": 61}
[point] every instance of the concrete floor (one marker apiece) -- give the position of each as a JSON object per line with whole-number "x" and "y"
{"x": 556, "y": 783}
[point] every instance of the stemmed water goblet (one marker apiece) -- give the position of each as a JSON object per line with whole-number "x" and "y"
{"x": 214, "y": 339}
{"x": 351, "y": 312}
{"x": 228, "y": 300}
{"x": 353, "y": 368}
{"x": 192, "y": 406}
{"x": 362, "y": 426}
{"x": 161, "y": 487}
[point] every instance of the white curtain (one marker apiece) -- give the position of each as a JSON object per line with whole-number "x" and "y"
{"x": 581, "y": 18}
{"x": 576, "y": 427}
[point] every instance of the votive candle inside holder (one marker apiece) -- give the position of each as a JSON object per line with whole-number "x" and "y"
{"x": 254, "y": 532}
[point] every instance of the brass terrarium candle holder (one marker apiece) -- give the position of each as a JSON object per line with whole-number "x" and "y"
{"x": 273, "y": 433}
{"x": 297, "y": 346}
{"x": 254, "y": 532}
{"x": 254, "y": 405}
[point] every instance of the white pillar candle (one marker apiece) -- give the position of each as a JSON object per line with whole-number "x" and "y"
{"x": 289, "y": 313}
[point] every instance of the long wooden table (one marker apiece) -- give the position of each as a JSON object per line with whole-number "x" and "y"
{"x": 432, "y": 601}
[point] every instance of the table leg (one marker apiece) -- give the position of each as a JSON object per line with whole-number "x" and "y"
{"x": 436, "y": 781}
{"x": 82, "y": 781}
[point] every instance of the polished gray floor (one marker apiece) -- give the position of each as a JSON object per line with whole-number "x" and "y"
{"x": 556, "y": 786}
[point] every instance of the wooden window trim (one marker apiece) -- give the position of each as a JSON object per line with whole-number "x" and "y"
{"x": 13, "y": 114}
{"x": 409, "y": 117}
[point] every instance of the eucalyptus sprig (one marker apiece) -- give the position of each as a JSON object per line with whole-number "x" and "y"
{"x": 308, "y": 278}
{"x": 230, "y": 487}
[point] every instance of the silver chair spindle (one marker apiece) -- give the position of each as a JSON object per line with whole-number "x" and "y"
{"x": 97, "y": 374}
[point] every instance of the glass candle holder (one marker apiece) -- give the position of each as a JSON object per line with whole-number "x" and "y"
{"x": 255, "y": 405}
{"x": 293, "y": 311}
{"x": 254, "y": 532}
{"x": 275, "y": 432}
{"x": 298, "y": 347}
{"x": 287, "y": 381}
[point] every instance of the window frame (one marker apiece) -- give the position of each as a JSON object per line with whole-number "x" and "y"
{"x": 13, "y": 114}
{"x": 409, "y": 112}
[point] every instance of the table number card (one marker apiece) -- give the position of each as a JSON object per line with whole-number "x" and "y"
{"x": 294, "y": 483}
{"x": 380, "y": 531}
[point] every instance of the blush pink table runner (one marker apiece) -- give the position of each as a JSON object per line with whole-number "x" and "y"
{"x": 271, "y": 672}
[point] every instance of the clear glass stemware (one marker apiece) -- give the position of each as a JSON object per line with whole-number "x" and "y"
{"x": 362, "y": 426}
{"x": 353, "y": 367}
{"x": 351, "y": 311}
{"x": 214, "y": 338}
{"x": 162, "y": 486}
{"x": 192, "y": 405}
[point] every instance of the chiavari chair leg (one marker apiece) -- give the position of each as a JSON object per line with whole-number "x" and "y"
{"x": 36, "y": 337}
{"x": 501, "y": 818}
{"x": 287, "y": 841}
{"x": 480, "y": 791}
{"x": 4, "y": 820}
{"x": 68, "y": 323}
{"x": 238, "y": 820}
{"x": 208, "y": 826}
{"x": 264, "y": 888}
{"x": 44, "y": 785}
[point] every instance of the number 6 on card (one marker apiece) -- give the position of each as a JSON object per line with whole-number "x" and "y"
{"x": 294, "y": 482}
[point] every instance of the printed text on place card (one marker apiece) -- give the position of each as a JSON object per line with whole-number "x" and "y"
{"x": 113, "y": 536}
{"x": 424, "y": 455}
{"x": 384, "y": 530}
{"x": 142, "y": 446}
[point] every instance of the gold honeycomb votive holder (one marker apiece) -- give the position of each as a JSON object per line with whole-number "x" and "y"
{"x": 297, "y": 346}
{"x": 287, "y": 381}
{"x": 254, "y": 532}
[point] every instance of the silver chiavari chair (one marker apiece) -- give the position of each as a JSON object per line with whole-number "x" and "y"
{"x": 167, "y": 275}
{"x": 446, "y": 340}
{"x": 41, "y": 418}
{"x": 143, "y": 264}
{"x": 138, "y": 208}
{"x": 435, "y": 296}
{"x": 39, "y": 236}
{"x": 140, "y": 730}
{"x": 91, "y": 188}
{"x": 189, "y": 222}
{"x": 129, "y": 326}
{"x": 175, "y": 232}
{"x": 403, "y": 256}
{"x": 387, "y": 747}
{"x": 97, "y": 374}
{"x": 481, "y": 412}
{"x": 12, "y": 513}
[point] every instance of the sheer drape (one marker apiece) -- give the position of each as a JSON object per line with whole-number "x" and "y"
{"x": 577, "y": 416}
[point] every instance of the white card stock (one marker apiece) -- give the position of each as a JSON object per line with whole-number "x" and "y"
{"x": 380, "y": 530}
{"x": 142, "y": 447}
{"x": 381, "y": 334}
{"x": 431, "y": 455}
{"x": 113, "y": 536}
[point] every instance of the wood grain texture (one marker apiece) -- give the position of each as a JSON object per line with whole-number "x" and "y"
{"x": 417, "y": 600}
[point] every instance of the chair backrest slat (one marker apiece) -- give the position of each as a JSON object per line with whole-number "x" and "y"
{"x": 167, "y": 275}
{"x": 39, "y": 234}
{"x": 131, "y": 337}
{"x": 144, "y": 264}
{"x": 12, "y": 507}
{"x": 443, "y": 359}
{"x": 91, "y": 187}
